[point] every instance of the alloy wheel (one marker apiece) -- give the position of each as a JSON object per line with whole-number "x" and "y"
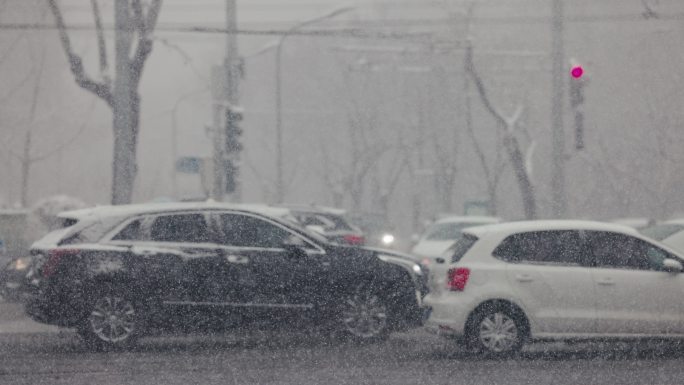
{"x": 498, "y": 332}
{"x": 112, "y": 319}
{"x": 364, "y": 315}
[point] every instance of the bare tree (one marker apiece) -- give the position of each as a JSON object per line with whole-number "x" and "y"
{"x": 348, "y": 178}
{"x": 28, "y": 155}
{"x": 134, "y": 24}
{"x": 649, "y": 12}
{"x": 507, "y": 125}
{"x": 492, "y": 169}
{"x": 444, "y": 142}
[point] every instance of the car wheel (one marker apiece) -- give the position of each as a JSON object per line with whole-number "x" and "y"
{"x": 496, "y": 332}
{"x": 364, "y": 316}
{"x": 112, "y": 320}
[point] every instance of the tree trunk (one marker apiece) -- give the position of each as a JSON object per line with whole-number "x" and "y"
{"x": 491, "y": 193}
{"x": 125, "y": 144}
{"x": 25, "y": 169}
{"x": 524, "y": 182}
{"x": 124, "y": 109}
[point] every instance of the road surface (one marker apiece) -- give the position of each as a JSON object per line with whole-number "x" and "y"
{"x": 34, "y": 354}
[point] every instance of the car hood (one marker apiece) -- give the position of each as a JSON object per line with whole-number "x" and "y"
{"x": 431, "y": 249}
{"x": 371, "y": 255}
{"x": 51, "y": 239}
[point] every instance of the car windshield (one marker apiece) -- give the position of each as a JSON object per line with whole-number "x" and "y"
{"x": 329, "y": 222}
{"x": 446, "y": 231}
{"x": 660, "y": 232}
{"x": 90, "y": 230}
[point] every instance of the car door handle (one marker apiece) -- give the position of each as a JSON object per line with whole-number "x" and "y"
{"x": 606, "y": 282}
{"x": 143, "y": 252}
{"x": 524, "y": 278}
{"x": 238, "y": 259}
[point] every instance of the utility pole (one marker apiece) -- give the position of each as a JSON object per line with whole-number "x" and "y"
{"x": 558, "y": 198}
{"x": 218, "y": 186}
{"x": 226, "y": 80}
{"x": 233, "y": 68}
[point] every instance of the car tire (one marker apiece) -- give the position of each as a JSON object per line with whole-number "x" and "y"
{"x": 364, "y": 316}
{"x": 112, "y": 320}
{"x": 496, "y": 331}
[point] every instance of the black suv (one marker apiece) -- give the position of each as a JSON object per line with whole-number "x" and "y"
{"x": 204, "y": 267}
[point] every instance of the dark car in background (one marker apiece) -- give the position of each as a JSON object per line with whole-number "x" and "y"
{"x": 330, "y": 222}
{"x": 190, "y": 267}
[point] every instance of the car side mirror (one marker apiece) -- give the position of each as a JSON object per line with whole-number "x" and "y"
{"x": 294, "y": 246}
{"x": 672, "y": 265}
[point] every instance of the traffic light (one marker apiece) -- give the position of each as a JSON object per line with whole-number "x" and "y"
{"x": 577, "y": 83}
{"x": 233, "y": 131}
{"x": 231, "y": 175}
{"x": 233, "y": 147}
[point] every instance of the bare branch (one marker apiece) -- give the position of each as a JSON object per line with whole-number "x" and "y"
{"x": 101, "y": 46}
{"x": 513, "y": 120}
{"x": 102, "y": 90}
{"x": 68, "y": 142}
{"x": 11, "y": 47}
{"x": 511, "y": 143}
{"x": 529, "y": 154}
{"x": 36, "y": 89}
{"x": 648, "y": 13}
{"x": 16, "y": 88}
{"x": 144, "y": 25}
{"x": 479, "y": 84}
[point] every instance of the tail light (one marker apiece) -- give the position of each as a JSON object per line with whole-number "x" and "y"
{"x": 458, "y": 278}
{"x": 354, "y": 239}
{"x": 53, "y": 259}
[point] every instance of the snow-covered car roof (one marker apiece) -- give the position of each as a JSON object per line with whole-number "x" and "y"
{"x": 468, "y": 219}
{"x": 542, "y": 225}
{"x": 677, "y": 221}
{"x": 313, "y": 208}
{"x": 133, "y": 209}
{"x": 636, "y": 223}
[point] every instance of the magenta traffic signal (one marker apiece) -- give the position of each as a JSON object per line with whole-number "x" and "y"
{"x": 577, "y": 72}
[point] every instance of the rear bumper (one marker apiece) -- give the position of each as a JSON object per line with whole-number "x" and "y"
{"x": 449, "y": 314}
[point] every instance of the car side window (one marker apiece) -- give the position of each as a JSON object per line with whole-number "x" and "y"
{"x": 247, "y": 231}
{"x": 132, "y": 232}
{"x": 619, "y": 251}
{"x": 655, "y": 255}
{"x": 190, "y": 228}
{"x": 562, "y": 247}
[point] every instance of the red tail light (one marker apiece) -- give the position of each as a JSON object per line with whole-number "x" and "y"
{"x": 354, "y": 239}
{"x": 458, "y": 278}
{"x": 54, "y": 257}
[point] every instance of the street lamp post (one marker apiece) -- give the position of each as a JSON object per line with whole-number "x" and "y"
{"x": 280, "y": 186}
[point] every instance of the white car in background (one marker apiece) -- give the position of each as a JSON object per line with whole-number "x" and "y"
{"x": 669, "y": 232}
{"x": 506, "y": 284}
{"x": 439, "y": 236}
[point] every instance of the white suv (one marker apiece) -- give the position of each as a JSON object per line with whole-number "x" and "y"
{"x": 502, "y": 285}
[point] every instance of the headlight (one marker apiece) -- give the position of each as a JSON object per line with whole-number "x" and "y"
{"x": 21, "y": 264}
{"x": 387, "y": 239}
